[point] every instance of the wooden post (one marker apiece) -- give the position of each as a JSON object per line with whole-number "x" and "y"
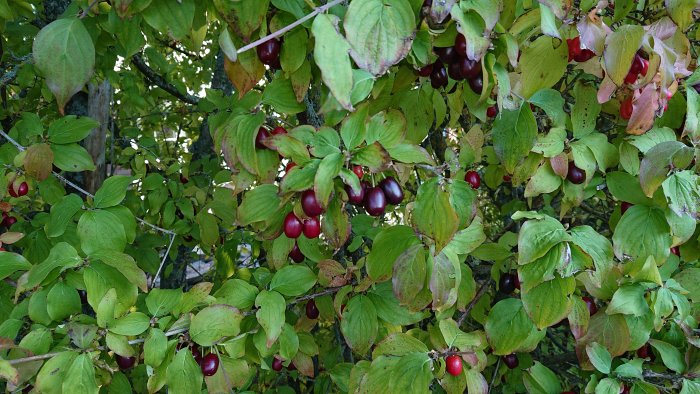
{"x": 99, "y": 108}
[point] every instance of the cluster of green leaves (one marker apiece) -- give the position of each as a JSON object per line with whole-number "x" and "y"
{"x": 394, "y": 294}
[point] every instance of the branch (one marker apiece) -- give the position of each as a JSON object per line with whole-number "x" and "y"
{"x": 12, "y": 74}
{"x": 480, "y": 293}
{"x": 159, "y": 81}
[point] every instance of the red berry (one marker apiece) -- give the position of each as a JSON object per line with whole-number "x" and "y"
{"x": 576, "y": 175}
{"x": 446, "y": 54}
{"x": 574, "y": 45}
{"x": 22, "y": 189}
{"x": 262, "y": 135}
{"x": 625, "y": 206}
{"x": 9, "y": 221}
{"x": 511, "y": 360}
{"x": 356, "y": 198}
{"x": 279, "y": 130}
{"x": 626, "y": 108}
{"x": 630, "y": 78}
{"x": 2, "y": 249}
{"x": 454, "y": 365}
{"x": 296, "y": 255}
{"x": 210, "y": 364}
{"x": 676, "y": 251}
{"x": 276, "y": 364}
{"x": 584, "y": 56}
{"x": 454, "y": 71}
{"x": 375, "y": 201}
{"x": 311, "y": 310}
{"x": 438, "y": 77}
{"x": 506, "y": 283}
{"x": 292, "y": 226}
{"x": 645, "y": 352}
{"x": 312, "y": 227}
{"x": 590, "y": 303}
{"x": 289, "y": 166}
{"x": 425, "y": 70}
{"x": 358, "y": 171}
{"x": 125, "y": 363}
{"x": 183, "y": 179}
{"x": 507, "y": 178}
{"x": 477, "y": 84}
{"x": 491, "y": 111}
{"x": 310, "y": 204}
{"x": 637, "y": 65}
{"x": 269, "y": 51}
{"x": 469, "y": 68}
{"x": 645, "y": 67}
{"x": 392, "y": 190}
{"x": 461, "y": 45}
{"x": 473, "y": 178}
{"x": 625, "y": 389}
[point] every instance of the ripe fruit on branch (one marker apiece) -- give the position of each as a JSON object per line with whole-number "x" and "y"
{"x": 453, "y": 365}
{"x": 511, "y": 360}
{"x": 15, "y": 190}
{"x": 8, "y": 221}
{"x": 125, "y": 363}
{"x": 311, "y": 310}
{"x": 473, "y": 178}
{"x": 477, "y": 84}
{"x": 356, "y": 198}
{"x": 358, "y": 171}
{"x": 262, "y": 135}
{"x": 210, "y": 364}
{"x": 454, "y": 71}
{"x": 676, "y": 251}
{"x": 310, "y": 204}
{"x": 576, "y": 175}
{"x": 590, "y": 303}
{"x": 183, "y": 179}
{"x": 296, "y": 255}
{"x": 626, "y": 108}
{"x": 492, "y": 111}
{"x": 508, "y": 282}
{"x": 625, "y": 206}
{"x": 292, "y": 226}
{"x": 312, "y": 227}
{"x": 392, "y": 190}
{"x": 446, "y": 54}
{"x": 469, "y": 68}
{"x": 461, "y": 45}
{"x": 645, "y": 352}
{"x": 375, "y": 201}
{"x": 438, "y": 76}
{"x": 279, "y": 130}
{"x": 269, "y": 51}
{"x": 276, "y": 364}
{"x": 425, "y": 70}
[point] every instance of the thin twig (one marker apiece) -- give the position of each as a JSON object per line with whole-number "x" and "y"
{"x": 480, "y": 293}
{"x": 159, "y": 81}
{"x": 12, "y": 74}
{"x": 495, "y": 373}
{"x": 86, "y": 11}
{"x": 162, "y": 262}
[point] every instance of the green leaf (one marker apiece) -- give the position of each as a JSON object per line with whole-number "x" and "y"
{"x": 514, "y": 134}
{"x": 293, "y": 280}
{"x": 552, "y": 103}
{"x": 359, "y": 324}
{"x": 112, "y": 191}
{"x": 105, "y": 309}
{"x": 599, "y": 356}
{"x": 626, "y": 187}
{"x": 99, "y": 278}
{"x": 454, "y": 337}
{"x": 380, "y": 33}
{"x": 62, "y": 255}
{"x": 682, "y": 189}
{"x": 354, "y": 127}
{"x": 259, "y": 204}
{"x": 372, "y": 156}
{"x": 642, "y": 232}
{"x": 507, "y": 326}
{"x": 64, "y": 54}
{"x": 237, "y": 293}
{"x": 657, "y": 161}
{"x": 62, "y": 301}
{"x": 543, "y": 63}
{"x": 414, "y": 376}
{"x": 408, "y": 153}
{"x": 289, "y": 342}
{"x": 471, "y": 25}
{"x": 544, "y": 181}
{"x": 134, "y": 323}
{"x": 620, "y": 48}
{"x": 388, "y": 308}
{"x": 155, "y": 347}
{"x": 549, "y": 302}
{"x": 541, "y": 380}
{"x": 161, "y": 302}
{"x": 270, "y": 314}
{"x": 8, "y": 372}
{"x": 174, "y": 18}
{"x": 100, "y": 230}
{"x": 432, "y": 198}
{"x": 331, "y": 56}
{"x": 125, "y": 264}
{"x": 388, "y": 245}
{"x": 398, "y": 344}
{"x": 184, "y": 375}
{"x": 80, "y": 377}
{"x": 410, "y": 270}
{"x": 72, "y": 158}
{"x": 468, "y": 239}
{"x": 584, "y": 114}
{"x": 62, "y": 214}
{"x": 280, "y": 95}
{"x": 290, "y": 147}
{"x": 214, "y": 323}
{"x": 70, "y": 129}
{"x": 53, "y": 372}
{"x": 670, "y": 355}
{"x": 628, "y": 300}
{"x": 327, "y": 171}
{"x": 611, "y": 331}
{"x": 12, "y": 263}
{"x": 537, "y": 237}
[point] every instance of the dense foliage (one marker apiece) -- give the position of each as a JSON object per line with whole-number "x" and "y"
{"x": 376, "y": 196}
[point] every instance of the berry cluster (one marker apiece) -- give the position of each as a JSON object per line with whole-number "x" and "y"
{"x": 310, "y": 227}
{"x": 375, "y": 199}
{"x": 577, "y": 53}
{"x": 453, "y": 62}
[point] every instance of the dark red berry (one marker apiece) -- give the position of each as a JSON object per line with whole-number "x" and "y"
{"x": 473, "y": 178}
{"x": 210, "y": 364}
{"x": 506, "y": 283}
{"x": 461, "y": 45}
{"x": 262, "y": 135}
{"x": 446, "y": 54}
{"x": 279, "y": 130}
{"x": 584, "y": 56}
{"x": 292, "y": 226}
{"x": 626, "y": 108}
{"x": 477, "y": 84}
{"x": 375, "y": 201}
{"x": 625, "y": 206}
{"x": 358, "y": 171}
{"x": 625, "y": 389}
{"x": 276, "y": 364}
{"x": 392, "y": 190}
{"x": 355, "y": 198}
{"x": 269, "y": 51}
{"x": 676, "y": 251}
{"x": 645, "y": 352}
{"x": 125, "y": 363}
{"x": 631, "y": 78}
{"x": 23, "y": 189}
{"x": 576, "y": 175}
{"x": 289, "y": 166}
{"x": 453, "y": 365}
{"x": 491, "y": 111}
{"x": 590, "y": 303}
{"x": 645, "y": 67}
{"x": 507, "y": 178}
{"x": 183, "y": 179}
{"x": 296, "y": 255}
{"x": 9, "y": 221}
{"x": 438, "y": 77}
{"x": 311, "y": 310}
{"x": 310, "y": 204}
{"x": 425, "y": 70}
{"x": 469, "y": 68}
{"x": 312, "y": 227}
{"x": 574, "y": 45}
{"x": 454, "y": 71}
{"x": 510, "y": 360}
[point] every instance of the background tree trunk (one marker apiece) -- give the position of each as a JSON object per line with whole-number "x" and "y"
{"x": 99, "y": 108}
